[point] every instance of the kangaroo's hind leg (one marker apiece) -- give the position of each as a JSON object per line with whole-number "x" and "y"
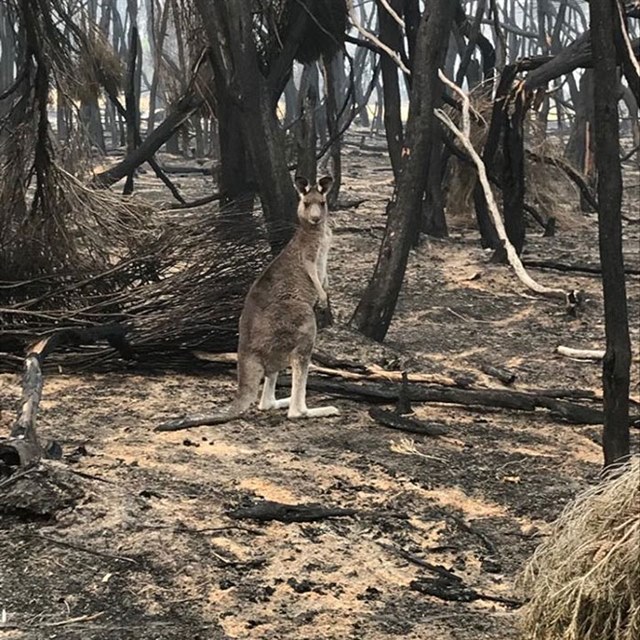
{"x": 298, "y": 406}
{"x": 268, "y": 399}
{"x": 250, "y": 372}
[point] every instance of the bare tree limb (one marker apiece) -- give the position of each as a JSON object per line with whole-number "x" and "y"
{"x": 512, "y": 256}
{"x": 371, "y": 37}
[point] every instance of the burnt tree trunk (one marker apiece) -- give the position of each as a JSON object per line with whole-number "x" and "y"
{"x": 235, "y": 170}
{"x": 305, "y": 130}
{"x": 495, "y": 135}
{"x": 513, "y": 183}
{"x": 229, "y": 29}
{"x": 629, "y": 69}
{"x": 615, "y": 374}
{"x": 131, "y": 104}
{"x": 433, "y": 221}
{"x": 391, "y": 36}
{"x": 375, "y": 310}
{"x": 331, "y": 93}
{"x": 580, "y": 147}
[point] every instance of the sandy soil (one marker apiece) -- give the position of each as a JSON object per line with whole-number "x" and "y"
{"x": 150, "y": 550}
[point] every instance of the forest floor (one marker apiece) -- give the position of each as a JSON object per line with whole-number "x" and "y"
{"x": 150, "y": 551}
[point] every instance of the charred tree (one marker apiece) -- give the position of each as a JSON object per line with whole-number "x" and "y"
{"x": 513, "y": 182}
{"x": 433, "y": 221}
{"x": 615, "y": 373}
{"x": 391, "y": 36}
{"x": 251, "y": 74}
{"x": 331, "y": 108}
{"x": 376, "y": 307}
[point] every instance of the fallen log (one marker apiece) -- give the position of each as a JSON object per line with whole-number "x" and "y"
{"x": 381, "y": 393}
{"x": 267, "y": 510}
{"x": 504, "y": 375}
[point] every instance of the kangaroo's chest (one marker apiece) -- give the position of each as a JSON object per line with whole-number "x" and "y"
{"x": 323, "y": 253}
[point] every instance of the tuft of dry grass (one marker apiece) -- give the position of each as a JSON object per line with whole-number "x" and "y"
{"x": 583, "y": 583}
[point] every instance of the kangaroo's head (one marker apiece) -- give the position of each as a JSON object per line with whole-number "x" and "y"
{"x": 312, "y": 205}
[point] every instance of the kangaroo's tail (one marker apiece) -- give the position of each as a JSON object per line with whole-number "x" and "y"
{"x": 250, "y": 372}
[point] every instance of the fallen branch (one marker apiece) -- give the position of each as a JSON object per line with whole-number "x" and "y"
{"x": 447, "y": 585}
{"x": 504, "y": 375}
{"x": 590, "y": 269}
{"x": 394, "y": 420}
{"x": 583, "y": 354}
{"x": 512, "y": 256}
{"x": 79, "y": 547}
{"x": 194, "y": 203}
{"x": 180, "y": 112}
{"x": 451, "y": 591}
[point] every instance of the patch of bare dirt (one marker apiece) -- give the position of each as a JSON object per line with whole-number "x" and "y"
{"x": 150, "y": 552}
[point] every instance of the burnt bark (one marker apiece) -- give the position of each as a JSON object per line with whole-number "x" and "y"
{"x": 434, "y": 222}
{"x": 616, "y": 363}
{"x": 513, "y": 181}
{"x": 305, "y": 130}
{"x": 577, "y": 55}
{"x": 331, "y": 92}
{"x": 495, "y": 136}
{"x": 376, "y": 307}
{"x": 391, "y": 36}
{"x": 241, "y": 86}
{"x": 131, "y": 104}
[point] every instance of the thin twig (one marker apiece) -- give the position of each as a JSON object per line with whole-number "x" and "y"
{"x": 79, "y": 547}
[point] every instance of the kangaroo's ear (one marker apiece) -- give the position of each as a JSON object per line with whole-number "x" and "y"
{"x": 325, "y": 184}
{"x": 302, "y": 185}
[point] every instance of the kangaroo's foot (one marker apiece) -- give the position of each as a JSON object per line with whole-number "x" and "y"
{"x": 316, "y": 412}
{"x": 272, "y": 403}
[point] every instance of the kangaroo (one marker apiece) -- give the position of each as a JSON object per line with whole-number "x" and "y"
{"x": 278, "y": 323}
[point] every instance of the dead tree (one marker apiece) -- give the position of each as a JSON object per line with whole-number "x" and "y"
{"x": 391, "y": 36}
{"x": 249, "y": 83}
{"x": 375, "y": 309}
{"x": 617, "y": 360}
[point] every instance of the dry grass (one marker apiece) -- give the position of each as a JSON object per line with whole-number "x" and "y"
{"x": 96, "y": 65}
{"x": 584, "y": 581}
